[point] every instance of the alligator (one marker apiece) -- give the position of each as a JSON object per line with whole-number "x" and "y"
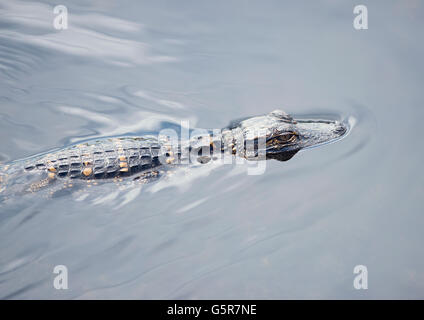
{"x": 272, "y": 136}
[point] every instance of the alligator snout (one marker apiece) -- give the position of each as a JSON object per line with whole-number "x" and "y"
{"x": 340, "y": 128}
{"x": 317, "y": 132}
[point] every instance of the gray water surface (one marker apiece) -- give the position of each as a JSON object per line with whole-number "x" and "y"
{"x": 298, "y": 230}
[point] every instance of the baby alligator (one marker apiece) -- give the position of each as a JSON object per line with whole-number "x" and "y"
{"x": 273, "y": 136}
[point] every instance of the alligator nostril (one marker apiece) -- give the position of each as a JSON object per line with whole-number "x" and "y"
{"x": 340, "y": 129}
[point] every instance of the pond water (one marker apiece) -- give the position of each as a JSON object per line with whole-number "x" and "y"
{"x": 296, "y": 231}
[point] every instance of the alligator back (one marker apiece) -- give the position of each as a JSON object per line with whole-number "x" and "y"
{"x": 100, "y": 159}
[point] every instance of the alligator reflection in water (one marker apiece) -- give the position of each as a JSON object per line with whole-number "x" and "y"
{"x": 273, "y": 136}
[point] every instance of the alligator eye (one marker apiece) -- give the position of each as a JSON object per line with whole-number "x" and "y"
{"x": 281, "y": 139}
{"x": 287, "y": 137}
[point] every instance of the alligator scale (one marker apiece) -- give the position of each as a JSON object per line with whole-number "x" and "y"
{"x": 280, "y": 136}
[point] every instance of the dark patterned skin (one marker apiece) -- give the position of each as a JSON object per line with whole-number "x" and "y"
{"x": 108, "y": 158}
{"x": 101, "y": 159}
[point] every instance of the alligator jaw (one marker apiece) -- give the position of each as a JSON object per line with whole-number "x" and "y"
{"x": 283, "y": 136}
{"x": 312, "y": 133}
{"x": 308, "y": 134}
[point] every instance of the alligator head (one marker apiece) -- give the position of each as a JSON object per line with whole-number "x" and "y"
{"x": 283, "y": 136}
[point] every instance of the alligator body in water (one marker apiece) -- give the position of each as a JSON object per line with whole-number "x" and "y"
{"x": 273, "y": 136}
